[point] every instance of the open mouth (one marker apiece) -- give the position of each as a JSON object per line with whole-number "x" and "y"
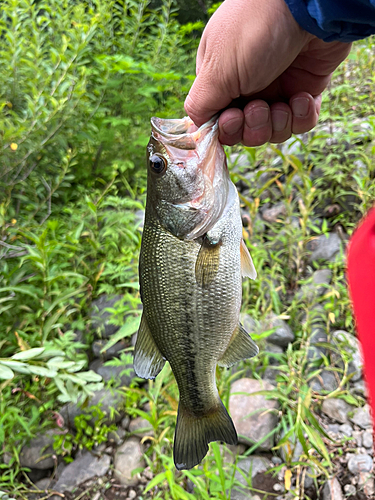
{"x": 181, "y": 133}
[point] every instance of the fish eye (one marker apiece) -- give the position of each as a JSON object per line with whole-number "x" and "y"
{"x": 158, "y": 164}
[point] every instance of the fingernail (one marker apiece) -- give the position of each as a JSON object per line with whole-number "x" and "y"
{"x": 279, "y": 120}
{"x": 232, "y": 127}
{"x": 300, "y": 107}
{"x": 257, "y": 118}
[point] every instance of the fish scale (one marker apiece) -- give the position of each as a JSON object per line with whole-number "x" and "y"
{"x": 191, "y": 283}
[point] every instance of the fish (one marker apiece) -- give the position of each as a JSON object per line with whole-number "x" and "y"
{"x": 192, "y": 261}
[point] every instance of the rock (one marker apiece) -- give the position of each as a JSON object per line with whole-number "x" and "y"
{"x": 359, "y": 387}
{"x": 249, "y": 323}
{"x": 367, "y": 484}
{"x": 282, "y": 335}
{"x": 112, "y": 352}
{"x": 83, "y": 468}
{"x": 117, "y": 436}
{"x": 318, "y": 287}
{"x": 251, "y": 465}
{"x": 333, "y": 428}
{"x": 141, "y": 427}
{"x": 272, "y": 214}
{"x": 355, "y": 366}
{"x": 360, "y": 463}
{"x": 271, "y": 350}
{"x": 125, "y": 422}
{"x": 106, "y": 398}
{"x": 40, "y": 446}
{"x": 368, "y": 439}
{"x": 357, "y": 436}
{"x": 362, "y": 417}
{"x": 332, "y": 490}
{"x": 324, "y": 248}
{"x": 121, "y": 374}
{"x": 337, "y": 409}
{"x": 325, "y": 381}
{"x": 350, "y": 489}
{"x": 346, "y": 430}
{"x": 292, "y": 450}
{"x": 100, "y": 316}
{"x": 43, "y": 484}
{"x": 129, "y": 456}
{"x": 251, "y": 414}
{"x": 318, "y": 335}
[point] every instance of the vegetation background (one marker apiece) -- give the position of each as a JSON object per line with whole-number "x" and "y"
{"x": 79, "y": 81}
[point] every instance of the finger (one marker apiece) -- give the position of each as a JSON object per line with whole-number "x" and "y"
{"x": 258, "y": 126}
{"x": 305, "y": 111}
{"x": 231, "y": 124}
{"x": 281, "y": 117}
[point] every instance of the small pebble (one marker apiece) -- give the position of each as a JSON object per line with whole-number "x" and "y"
{"x": 96, "y": 496}
{"x": 367, "y": 439}
{"x": 357, "y": 435}
{"x": 131, "y": 494}
{"x": 276, "y": 460}
{"x": 346, "y": 429}
{"x": 277, "y": 487}
{"x": 359, "y": 463}
{"x": 350, "y": 489}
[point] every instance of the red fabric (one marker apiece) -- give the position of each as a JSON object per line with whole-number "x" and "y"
{"x": 361, "y": 277}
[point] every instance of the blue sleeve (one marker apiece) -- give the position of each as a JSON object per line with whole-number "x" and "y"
{"x": 342, "y": 20}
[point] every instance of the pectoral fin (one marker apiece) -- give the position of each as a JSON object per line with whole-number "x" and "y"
{"x": 148, "y": 360}
{"x": 241, "y": 346}
{"x": 247, "y": 266}
{"x": 207, "y": 264}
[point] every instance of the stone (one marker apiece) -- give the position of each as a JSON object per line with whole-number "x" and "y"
{"x": 325, "y": 247}
{"x": 125, "y": 422}
{"x": 249, "y": 323}
{"x": 346, "y": 430}
{"x": 85, "y": 467}
{"x": 251, "y": 466}
{"x": 117, "y": 436}
{"x": 355, "y": 366}
{"x": 112, "y": 352}
{"x": 123, "y": 375}
{"x": 128, "y": 457}
{"x": 100, "y": 316}
{"x": 141, "y": 427}
{"x": 367, "y": 484}
{"x": 362, "y": 417}
{"x": 333, "y": 428}
{"x": 318, "y": 335}
{"x": 283, "y": 335}
{"x": 360, "y": 463}
{"x": 332, "y": 490}
{"x": 292, "y": 450}
{"x": 40, "y": 446}
{"x": 325, "y": 381}
{"x": 368, "y": 439}
{"x": 337, "y": 409}
{"x": 271, "y": 350}
{"x": 272, "y": 214}
{"x": 43, "y": 484}
{"x": 106, "y": 398}
{"x": 320, "y": 280}
{"x": 357, "y": 436}
{"x": 252, "y": 415}
{"x": 350, "y": 489}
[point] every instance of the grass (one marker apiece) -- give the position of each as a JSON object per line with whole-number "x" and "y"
{"x": 325, "y": 182}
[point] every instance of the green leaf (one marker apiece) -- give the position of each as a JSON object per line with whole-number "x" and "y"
{"x": 130, "y": 327}
{"x": 5, "y": 372}
{"x": 155, "y": 481}
{"x": 29, "y": 354}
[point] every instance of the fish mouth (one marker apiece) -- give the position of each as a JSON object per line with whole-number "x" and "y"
{"x": 182, "y": 133}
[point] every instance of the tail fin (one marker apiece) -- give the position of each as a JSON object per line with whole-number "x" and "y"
{"x": 194, "y": 433}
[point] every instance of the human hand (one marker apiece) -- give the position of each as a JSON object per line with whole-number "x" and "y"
{"x": 258, "y": 65}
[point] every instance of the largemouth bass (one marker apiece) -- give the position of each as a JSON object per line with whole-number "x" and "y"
{"x": 191, "y": 262}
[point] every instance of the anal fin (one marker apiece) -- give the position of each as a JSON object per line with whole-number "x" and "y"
{"x": 148, "y": 361}
{"x": 241, "y": 346}
{"x": 247, "y": 266}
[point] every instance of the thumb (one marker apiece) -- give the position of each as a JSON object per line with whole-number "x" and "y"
{"x": 205, "y": 99}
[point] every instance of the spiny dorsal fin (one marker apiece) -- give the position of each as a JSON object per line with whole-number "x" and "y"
{"x": 241, "y": 346}
{"x": 207, "y": 264}
{"x": 247, "y": 266}
{"x": 148, "y": 360}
